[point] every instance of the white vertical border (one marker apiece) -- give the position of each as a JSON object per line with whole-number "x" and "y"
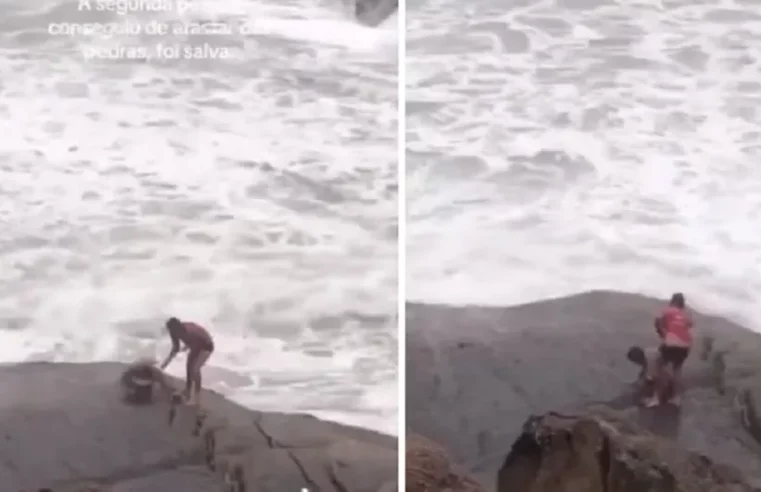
{"x": 401, "y": 240}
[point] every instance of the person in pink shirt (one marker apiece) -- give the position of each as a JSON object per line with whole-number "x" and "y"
{"x": 674, "y": 327}
{"x": 199, "y": 344}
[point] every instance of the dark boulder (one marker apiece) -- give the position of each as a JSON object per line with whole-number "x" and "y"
{"x": 602, "y": 452}
{"x": 67, "y": 428}
{"x": 428, "y": 468}
{"x": 374, "y": 12}
{"x": 475, "y": 374}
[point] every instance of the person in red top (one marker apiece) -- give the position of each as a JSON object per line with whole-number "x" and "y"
{"x": 199, "y": 344}
{"x": 674, "y": 327}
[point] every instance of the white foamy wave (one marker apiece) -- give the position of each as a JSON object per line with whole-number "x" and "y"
{"x": 581, "y": 145}
{"x": 254, "y": 195}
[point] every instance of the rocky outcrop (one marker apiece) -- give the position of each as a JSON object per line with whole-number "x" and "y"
{"x": 475, "y": 374}
{"x": 374, "y": 12}
{"x": 428, "y": 469}
{"x": 603, "y": 452}
{"x": 66, "y": 428}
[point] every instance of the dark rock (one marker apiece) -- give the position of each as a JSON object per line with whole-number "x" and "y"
{"x": 374, "y": 12}
{"x": 428, "y": 469}
{"x": 66, "y": 427}
{"x": 601, "y": 452}
{"x": 475, "y": 374}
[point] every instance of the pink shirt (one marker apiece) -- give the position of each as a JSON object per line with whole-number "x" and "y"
{"x": 196, "y": 337}
{"x": 677, "y": 327}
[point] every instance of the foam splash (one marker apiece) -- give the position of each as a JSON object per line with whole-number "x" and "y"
{"x": 603, "y": 145}
{"x": 254, "y": 197}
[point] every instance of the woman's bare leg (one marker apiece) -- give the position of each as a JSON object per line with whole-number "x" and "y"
{"x": 669, "y": 382}
{"x": 198, "y": 362}
{"x": 659, "y": 386}
{"x": 676, "y": 397}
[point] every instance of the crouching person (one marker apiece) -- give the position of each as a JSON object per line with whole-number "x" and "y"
{"x": 649, "y": 361}
{"x": 139, "y": 381}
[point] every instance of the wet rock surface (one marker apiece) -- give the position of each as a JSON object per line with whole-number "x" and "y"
{"x": 66, "y": 428}
{"x": 601, "y": 452}
{"x": 475, "y": 374}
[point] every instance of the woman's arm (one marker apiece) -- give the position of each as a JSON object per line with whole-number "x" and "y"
{"x": 172, "y": 353}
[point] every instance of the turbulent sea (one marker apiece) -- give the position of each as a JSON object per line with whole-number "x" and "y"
{"x": 251, "y": 189}
{"x": 567, "y": 145}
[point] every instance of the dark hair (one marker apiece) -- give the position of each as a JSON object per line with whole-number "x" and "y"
{"x": 677, "y": 300}
{"x": 174, "y": 325}
{"x": 637, "y": 355}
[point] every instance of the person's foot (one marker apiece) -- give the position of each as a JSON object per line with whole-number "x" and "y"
{"x": 651, "y": 402}
{"x": 190, "y": 400}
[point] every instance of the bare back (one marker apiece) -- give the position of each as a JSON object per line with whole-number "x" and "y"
{"x": 197, "y": 338}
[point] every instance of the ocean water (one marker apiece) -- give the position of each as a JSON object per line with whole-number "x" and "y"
{"x": 560, "y": 146}
{"x": 241, "y": 175}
